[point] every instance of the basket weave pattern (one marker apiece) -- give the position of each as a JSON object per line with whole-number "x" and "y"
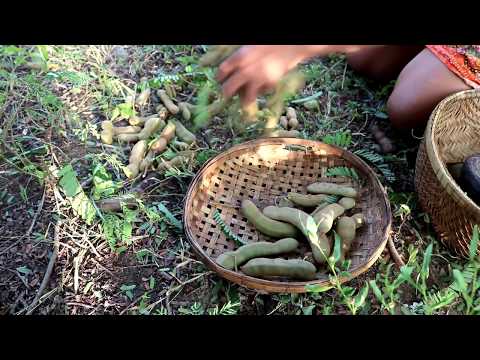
{"x": 264, "y": 171}
{"x": 452, "y": 134}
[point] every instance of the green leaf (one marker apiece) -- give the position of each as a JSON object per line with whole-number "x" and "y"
{"x": 337, "y": 247}
{"x": 361, "y": 296}
{"x": 348, "y": 291}
{"x": 162, "y": 208}
{"x": 69, "y": 182}
{"x": 376, "y": 291}
{"x": 405, "y": 275}
{"x": 317, "y": 288}
{"x": 308, "y": 310}
{"x": 79, "y": 201}
{"x": 460, "y": 280}
{"x": 342, "y": 171}
{"x": 381, "y": 115}
{"x": 474, "y": 243}
{"x": 24, "y": 270}
{"x": 426, "y": 261}
{"x": 227, "y": 231}
{"x": 103, "y": 186}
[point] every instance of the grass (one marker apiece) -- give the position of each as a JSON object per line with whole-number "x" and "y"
{"x": 138, "y": 261}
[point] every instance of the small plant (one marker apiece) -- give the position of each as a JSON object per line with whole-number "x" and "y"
{"x": 343, "y": 171}
{"x": 342, "y": 139}
{"x": 128, "y": 290}
{"x": 226, "y": 230}
{"x": 379, "y": 163}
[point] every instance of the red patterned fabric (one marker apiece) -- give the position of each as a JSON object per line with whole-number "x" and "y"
{"x": 463, "y": 60}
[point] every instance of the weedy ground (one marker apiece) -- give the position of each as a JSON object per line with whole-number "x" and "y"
{"x": 52, "y": 100}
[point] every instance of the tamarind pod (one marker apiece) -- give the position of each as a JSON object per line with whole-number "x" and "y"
{"x": 306, "y": 224}
{"x": 292, "y": 268}
{"x": 347, "y": 203}
{"x": 136, "y": 121}
{"x": 170, "y": 90}
{"x": 172, "y": 108}
{"x": 291, "y": 113}
{"x": 325, "y": 217}
{"x": 151, "y": 126}
{"x": 346, "y": 228}
{"x": 136, "y": 157}
{"x": 168, "y": 131}
{"x": 126, "y": 129}
{"x": 157, "y": 147}
{"x": 107, "y": 132}
{"x": 185, "y": 111}
{"x": 386, "y": 145}
{"x": 359, "y": 220}
{"x": 183, "y": 133}
{"x": 265, "y": 225}
{"x": 331, "y": 189}
{"x": 283, "y": 121}
{"x": 319, "y": 208}
{"x": 115, "y": 204}
{"x": 293, "y": 123}
{"x": 143, "y": 97}
{"x": 306, "y": 200}
{"x": 127, "y": 137}
{"x": 230, "y": 260}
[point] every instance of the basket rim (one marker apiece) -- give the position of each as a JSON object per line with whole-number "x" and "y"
{"x": 433, "y": 153}
{"x": 272, "y": 285}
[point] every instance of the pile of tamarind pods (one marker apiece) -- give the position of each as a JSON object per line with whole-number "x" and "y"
{"x": 152, "y": 134}
{"x": 299, "y": 216}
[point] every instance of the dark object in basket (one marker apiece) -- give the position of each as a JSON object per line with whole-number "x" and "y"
{"x": 470, "y": 177}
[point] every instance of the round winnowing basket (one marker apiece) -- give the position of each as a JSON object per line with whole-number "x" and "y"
{"x": 452, "y": 134}
{"x": 265, "y": 170}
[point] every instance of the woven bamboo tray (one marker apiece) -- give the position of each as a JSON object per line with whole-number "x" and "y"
{"x": 264, "y": 170}
{"x": 452, "y": 134}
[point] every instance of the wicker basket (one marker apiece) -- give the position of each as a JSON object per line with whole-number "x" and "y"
{"x": 452, "y": 134}
{"x": 264, "y": 170}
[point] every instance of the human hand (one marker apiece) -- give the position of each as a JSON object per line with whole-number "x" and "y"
{"x": 256, "y": 69}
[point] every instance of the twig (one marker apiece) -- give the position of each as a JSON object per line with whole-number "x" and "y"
{"x": 393, "y": 251}
{"x": 48, "y": 272}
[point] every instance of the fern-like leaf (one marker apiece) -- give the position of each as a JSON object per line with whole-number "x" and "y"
{"x": 379, "y": 163}
{"x": 342, "y": 171}
{"x": 227, "y": 231}
{"x": 342, "y": 139}
{"x": 369, "y": 156}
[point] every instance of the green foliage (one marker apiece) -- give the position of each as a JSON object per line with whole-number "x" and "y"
{"x": 196, "y": 308}
{"x": 342, "y": 139}
{"x": 172, "y": 219}
{"x": 103, "y": 186}
{"x": 79, "y": 201}
{"x": 379, "y": 162}
{"x": 226, "y": 230}
{"x": 117, "y": 229}
{"x": 123, "y": 111}
{"x": 342, "y": 171}
{"x": 204, "y": 155}
{"x": 370, "y": 156}
{"x": 127, "y": 289}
